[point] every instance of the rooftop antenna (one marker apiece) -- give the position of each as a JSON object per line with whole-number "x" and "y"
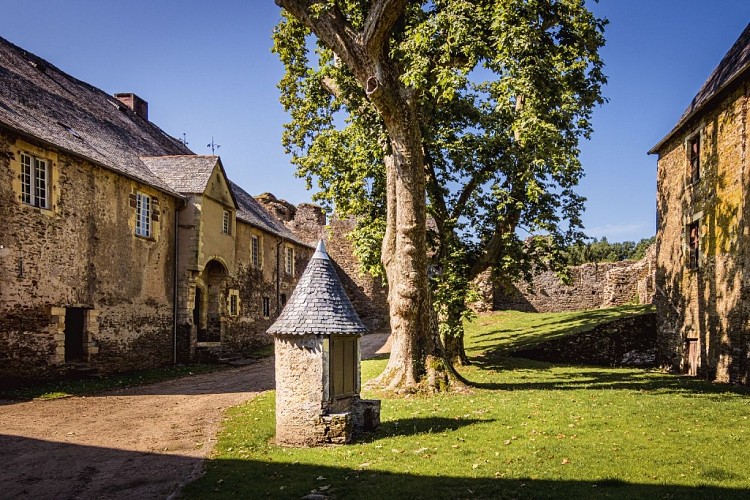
{"x": 213, "y": 146}
{"x": 184, "y": 139}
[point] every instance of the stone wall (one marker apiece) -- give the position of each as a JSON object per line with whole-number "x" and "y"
{"x": 592, "y": 286}
{"x": 81, "y": 253}
{"x": 624, "y": 342}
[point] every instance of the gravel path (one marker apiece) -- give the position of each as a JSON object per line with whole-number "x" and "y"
{"x": 142, "y": 442}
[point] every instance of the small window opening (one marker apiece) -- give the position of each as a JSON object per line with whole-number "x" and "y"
{"x": 693, "y": 233}
{"x": 695, "y": 159}
{"x": 266, "y": 307}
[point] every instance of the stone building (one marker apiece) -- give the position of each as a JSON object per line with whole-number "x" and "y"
{"x": 702, "y": 235}
{"x": 120, "y": 247}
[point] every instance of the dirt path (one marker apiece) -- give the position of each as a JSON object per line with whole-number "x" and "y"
{"x": 136, "y": 443}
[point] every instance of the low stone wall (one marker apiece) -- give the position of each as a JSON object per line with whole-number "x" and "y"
{"x": 593, "y": 286}
{"x": 625, "y": 342}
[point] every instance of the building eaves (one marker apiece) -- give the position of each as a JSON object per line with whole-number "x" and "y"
{"x": 733, "y": 66}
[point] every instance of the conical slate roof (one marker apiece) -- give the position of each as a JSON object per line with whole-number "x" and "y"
{"x": 318, "y": 304}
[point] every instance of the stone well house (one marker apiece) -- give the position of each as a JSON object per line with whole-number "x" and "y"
{"x": 703, "y": 230}
{"x": 120, "y": 248}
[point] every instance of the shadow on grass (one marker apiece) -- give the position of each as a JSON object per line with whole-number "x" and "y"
{"x": 534, "y": 375}
{"x": 509, "y": 337}
{"x": 240, "y": 478}
{"x": 415, "y": 426}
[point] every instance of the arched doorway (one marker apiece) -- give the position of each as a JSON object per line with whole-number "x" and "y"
{"x": 213, "y": 276}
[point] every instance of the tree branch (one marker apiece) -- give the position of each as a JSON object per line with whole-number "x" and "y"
{"x": 381, "y": 18}
{"x": 332, "y": 29}
{"x": 469, "y": 188}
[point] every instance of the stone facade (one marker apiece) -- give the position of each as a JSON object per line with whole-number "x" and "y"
{"x": 593, "y": 286}
{"x": 80, "y": 256}
{"x": 703, "y": 246}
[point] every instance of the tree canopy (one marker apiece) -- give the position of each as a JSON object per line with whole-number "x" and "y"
{"x": 500, "y": 93}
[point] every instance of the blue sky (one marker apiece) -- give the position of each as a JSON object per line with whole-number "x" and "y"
{"x": 207, "y": 71}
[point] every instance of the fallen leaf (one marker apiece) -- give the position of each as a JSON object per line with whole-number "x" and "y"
{"x": 565, "y": 461}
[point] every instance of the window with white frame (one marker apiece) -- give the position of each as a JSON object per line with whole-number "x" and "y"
{"x": 255, "y": 251}
{"x": 226, "y": 226}
{"x": 35, "y": 182}
{"x": 289, "y": 260}
{"x": 143, "y": 215}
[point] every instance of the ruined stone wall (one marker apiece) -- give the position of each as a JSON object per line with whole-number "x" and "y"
{"x": 82, "y": 252}
{"x": 368, "y": 294}
{"x": 705, "y": 310}
{"x": 592, "y": 286}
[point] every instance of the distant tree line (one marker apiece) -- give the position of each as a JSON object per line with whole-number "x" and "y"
{"x": 604, "y": 251}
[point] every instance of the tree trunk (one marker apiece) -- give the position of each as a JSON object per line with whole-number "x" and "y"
{"x": 416, "y": 353}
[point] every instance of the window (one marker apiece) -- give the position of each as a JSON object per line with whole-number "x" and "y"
{"x": 226, "y": 226}
{"x": 143, "y": 215}
{"x": 693, "y": 234}
{"x": 255, "y": 251}
{"x": 694, "y": 146}
{"x": 233, "y": 303}
{"x": 283, "y": 299}
{"x": 34, "y": 181}
{"x": 289, "y": 260}
{"x": 266, "y": 307}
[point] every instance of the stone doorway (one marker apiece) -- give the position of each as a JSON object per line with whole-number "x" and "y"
{"x": 211, "y": 308}
{"x": 74, "y": 334}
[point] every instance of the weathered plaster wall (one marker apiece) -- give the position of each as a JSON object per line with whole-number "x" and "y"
{"x": 708, "y": 306}
{"x": 82, "y": 253}
{"x": 593, "y": 286}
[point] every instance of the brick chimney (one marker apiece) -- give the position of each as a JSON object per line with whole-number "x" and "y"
{"x": 135, "y": 103}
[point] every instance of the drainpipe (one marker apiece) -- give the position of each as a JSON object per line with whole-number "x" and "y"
{"x": 174, "y": 279}
{"x": 278, "y": 307}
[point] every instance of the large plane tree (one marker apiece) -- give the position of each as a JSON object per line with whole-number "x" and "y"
{"x": 470, "y": 111}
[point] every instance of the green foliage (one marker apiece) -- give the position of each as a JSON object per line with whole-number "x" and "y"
{"x": 527, "y": 430}
{"x": 604, "y": 251}
{"x": 504, "y": 90}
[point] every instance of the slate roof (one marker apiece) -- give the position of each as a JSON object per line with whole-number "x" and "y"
{"x": 185, "y": 174}
{"x": 41, "y": 101}
{"x": 253, "y": 213}
{"x": 734, "y": 64}
{"x": 318, "y": 304}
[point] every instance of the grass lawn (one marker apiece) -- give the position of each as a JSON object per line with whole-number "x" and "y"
{"x": 527, "y": 430}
